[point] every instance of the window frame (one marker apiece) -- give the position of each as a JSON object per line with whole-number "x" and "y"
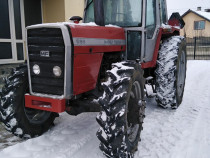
{"x": 85, "y": 15}
{"x": 155, "y": 20}
{"x": 163, "y": 9}
{"x": 13, "y": 39}
{"x": 199, "y": 25}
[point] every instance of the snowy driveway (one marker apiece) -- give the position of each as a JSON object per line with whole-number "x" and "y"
{"x": 182, "y": 133}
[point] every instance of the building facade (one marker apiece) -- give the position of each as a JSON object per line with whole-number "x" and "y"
{"x": 197, "y": 23}
{"x": 15, "y": 15}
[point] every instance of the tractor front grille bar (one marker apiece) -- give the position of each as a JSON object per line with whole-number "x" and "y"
{"x": 46, "y": 49}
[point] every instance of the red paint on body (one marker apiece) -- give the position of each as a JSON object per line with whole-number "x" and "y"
{"x": 86, "y": 70}
{"x": 174, "y": 22}
{"x": 97, "y": 32}
{"x": 46, "y": 104}
{"x": 97, "y": 49}
{"x": 87, "y": 59}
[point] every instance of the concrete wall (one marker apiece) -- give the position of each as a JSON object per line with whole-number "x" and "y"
{"x": 53, "y": 11}
{"x": 61, "y": 10}
{"x": 189, "y": 19}
{"x": 74, "y": 8}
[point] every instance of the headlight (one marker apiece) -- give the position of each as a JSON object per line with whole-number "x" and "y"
{"x": 36, "y": 69}
{"x": 57, "y": 71}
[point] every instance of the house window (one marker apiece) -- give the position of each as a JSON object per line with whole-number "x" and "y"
{"x": 12, "y": 28}
{"x": 199, "y": 25}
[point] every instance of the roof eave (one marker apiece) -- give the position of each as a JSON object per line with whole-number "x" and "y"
{"x": 195, "y": 13}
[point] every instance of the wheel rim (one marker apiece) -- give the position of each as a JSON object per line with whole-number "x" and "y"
{"x": 35, "y": 116}
{"x": 181, "y": 74}
{"x": 133, "y": 129}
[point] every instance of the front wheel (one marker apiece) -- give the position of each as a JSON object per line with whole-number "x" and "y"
{"x": 19, "y": 120}
{"x": 123, "y": 110}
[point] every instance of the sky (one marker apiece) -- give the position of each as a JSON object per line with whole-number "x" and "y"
{"x": 182, "y": 6}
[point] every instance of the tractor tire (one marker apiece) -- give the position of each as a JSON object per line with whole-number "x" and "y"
{"x": 171, "y": 72}
{"x": 123, "y": 110}
{"x": 19, "y": 120}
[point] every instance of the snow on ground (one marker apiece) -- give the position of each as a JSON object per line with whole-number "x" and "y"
{"x": 181, "y": 133}
{"x": 185, "y": 132}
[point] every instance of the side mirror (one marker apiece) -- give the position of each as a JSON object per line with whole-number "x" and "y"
{"x": 76, "y": 19}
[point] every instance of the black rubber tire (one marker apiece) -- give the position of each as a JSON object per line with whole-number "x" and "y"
{"x": 172, "y": 52}
{"x": 119, "y": 110}
{"x": 12, "y": 107}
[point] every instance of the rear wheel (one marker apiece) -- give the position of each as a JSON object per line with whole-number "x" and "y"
{"x": 171, "y": 72}
{"x": 123, "y": 110}
{"x": 22, "y": 121}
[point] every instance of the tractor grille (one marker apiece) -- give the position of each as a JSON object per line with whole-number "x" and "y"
{"x": 46, "y": 40}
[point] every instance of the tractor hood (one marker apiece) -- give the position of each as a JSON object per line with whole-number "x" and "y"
{"x": 90, "y": 35}
{"x": 56, "y": 45}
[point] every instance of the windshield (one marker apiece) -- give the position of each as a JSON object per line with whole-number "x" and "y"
{"x": 124, "y": 13}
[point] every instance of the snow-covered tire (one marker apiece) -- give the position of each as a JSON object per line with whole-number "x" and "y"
{"x": 122, "y": 105}
{"x": 171, "y": 72}
{"x": 22, "y": 122}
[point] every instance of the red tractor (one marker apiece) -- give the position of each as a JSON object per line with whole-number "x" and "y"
{"x": 92, "y": 67}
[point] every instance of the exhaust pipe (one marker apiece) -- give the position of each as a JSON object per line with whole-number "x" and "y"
{"x": 99, "y": 12}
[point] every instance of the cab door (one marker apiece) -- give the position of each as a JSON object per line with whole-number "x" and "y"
{"x": 156, "y": 14}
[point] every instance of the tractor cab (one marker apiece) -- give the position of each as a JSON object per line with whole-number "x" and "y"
{"x": 141, "y": 20}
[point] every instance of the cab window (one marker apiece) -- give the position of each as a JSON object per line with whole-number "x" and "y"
{"x": 124, "y": 13}
{"x": 150, "y": 18}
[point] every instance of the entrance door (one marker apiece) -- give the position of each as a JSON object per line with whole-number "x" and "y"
{"x": 12, "y": 31}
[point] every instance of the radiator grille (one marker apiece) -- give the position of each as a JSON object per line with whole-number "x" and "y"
{"x": 50, "y": 40}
